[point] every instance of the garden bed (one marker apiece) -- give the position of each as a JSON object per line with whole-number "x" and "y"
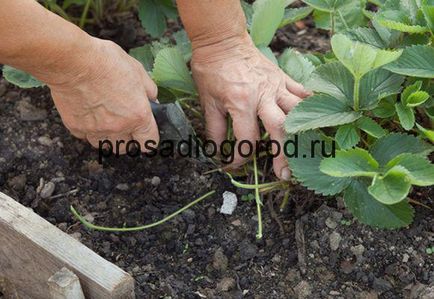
{"x": 313, "y": 249}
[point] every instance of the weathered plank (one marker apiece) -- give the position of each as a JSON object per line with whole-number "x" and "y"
{"x": 32, "y": 250}
{"x": 64, "y": 284}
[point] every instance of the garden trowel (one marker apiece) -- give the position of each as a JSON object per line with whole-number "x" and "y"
{"x": 175, "y": 128}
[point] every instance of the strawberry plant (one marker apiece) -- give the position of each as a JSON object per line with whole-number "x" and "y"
{"x": 377, "y": 86}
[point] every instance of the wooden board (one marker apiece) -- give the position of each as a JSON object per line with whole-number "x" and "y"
{"x": 32, "y": 250}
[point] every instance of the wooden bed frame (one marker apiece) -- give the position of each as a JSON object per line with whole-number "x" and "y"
{"x": 33, "y": 251}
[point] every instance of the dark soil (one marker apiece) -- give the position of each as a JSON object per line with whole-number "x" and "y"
{"x": 307, "y": 251}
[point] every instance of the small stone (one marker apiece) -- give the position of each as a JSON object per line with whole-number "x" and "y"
{"x": 94, "y": 167}
{"x": 331, "y": 223}
{"x": 229, "y": 203}
{"x": 155, "y": 181}
{"x": 303, "y": 289}
{"x": 18, "y": 182}
{"x": 89, "y": 218}
{"x": 381, "y": 285}
{"x": 276, "y": 259}
{"x": 28, "y": 112}
{"x": 335, "y": 240}
{"x": 358, "y": 250}
{"x": 236, "y": 222}
{"x": 405, "y": 257}
{"x": 45, "y": 140}
{"x": 76, "y": 236}
{"x": 122, "y": 187}
{"x": 226, "y": 284}
{"x": 220, "y": 261}
{"x": 47, "y": 190}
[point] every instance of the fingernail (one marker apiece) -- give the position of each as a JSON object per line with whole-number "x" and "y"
{"x": 308, "y": 92}
{"x": 285, "y": 174}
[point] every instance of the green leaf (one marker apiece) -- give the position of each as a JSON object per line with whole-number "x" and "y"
{"x": 183, "y": 44}
{"x": 391, "y": 188}
{"x": 248, "y": 12}
{"x": 267, "y": 15}
{"x": 386, "y": 108}
{"x": 345, "y": 17}
{"x": 415, "y": 61}
{"x": 269, "y": 54}
{"x": 325, "y": 5}
{"x": 144, "y": 56}
{"x": 377, "y": 85}
{"x": 427, "y": 133}
{"x": 416, "y": 86}
{"x": 347, "y": 136}
{"x": 170, "y": 71}
{"x": 406, "y": 116}
{"x": 367, "y": 36}
{"x": 419, "y": 170}
{"x": 350, "y": 163}
{"x": 417, "y": 98}
{"x": 20, "y": 78}
{"x": 333, "y": 79}
{"x": 402, "y": 15}
{"x": 305, "y": 166}
{"x": 398, "y": 20}
{"x": 360, "y": 58}
{"x": 371, "y": 127}
{"x": 392, "y": 145}
{"x": 153, "y": 13}
{"x": 369, "y": 211}
{"x": 293, "y": 15}
{"x": 428, "y": 12}
{"x": 319, "y": 111}
{"x": 296, "y": 65}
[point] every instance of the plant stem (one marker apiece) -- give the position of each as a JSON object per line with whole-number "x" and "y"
{"x": 250, "y": 186}
{"x": 356, "y": 93}
{"x": 258, "y": 200}
{"x": 84, "y": 14}
{"x": 138, "y": 228}
{"x": 332, "y": 25}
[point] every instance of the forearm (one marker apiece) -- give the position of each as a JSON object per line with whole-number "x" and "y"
{"x": 211, "y": 21}
{"x": 39, "y": 42}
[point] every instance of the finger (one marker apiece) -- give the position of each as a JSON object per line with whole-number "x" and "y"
{"x": 287, "y": 101}
{"x": 151, "y": 88}
{"x": 296, "y": 88}
{"x": 147, "y": 135}
{"x": 246, "y": 132}
{"x": 216, "y": 123}
{"x": 77, "y": 134}
{"x": 273, "y": 118}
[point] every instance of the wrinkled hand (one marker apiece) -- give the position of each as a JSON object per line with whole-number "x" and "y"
{"x": 108, "y": 98}
{"x": 234, "y": 77}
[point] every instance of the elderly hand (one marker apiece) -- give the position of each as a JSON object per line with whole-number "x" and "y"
{"x": 234, "y": 77}
{"x": 108, "y": 98}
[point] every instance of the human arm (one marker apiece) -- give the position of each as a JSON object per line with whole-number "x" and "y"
{"x": 99, "y": 90}
{"x": 235, "y": 78}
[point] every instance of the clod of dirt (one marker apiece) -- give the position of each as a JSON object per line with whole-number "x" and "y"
{"x": 28, "y": 112}
{"x": 247, "y": 250}
{"x": 226, "y": 284}
{"x": 220, "y": 261}
{"x": 18, "y": 182}
{"x": 303, "y": 290}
